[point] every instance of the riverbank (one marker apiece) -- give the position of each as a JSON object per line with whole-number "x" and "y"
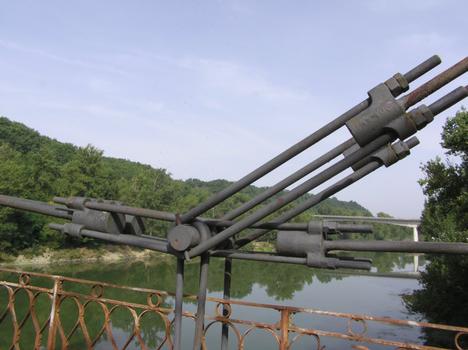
{"x": 104, "y": 253}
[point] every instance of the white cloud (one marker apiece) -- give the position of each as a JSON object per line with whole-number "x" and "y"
{"x": 241, "y": 80}
{"x": 230, "y": 77}
{"x": 86, "y": 64}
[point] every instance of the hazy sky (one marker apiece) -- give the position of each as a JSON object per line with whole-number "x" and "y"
{"x": 212, "y": 89}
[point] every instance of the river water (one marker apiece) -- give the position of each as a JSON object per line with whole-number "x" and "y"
{"x": 262, "y": 283}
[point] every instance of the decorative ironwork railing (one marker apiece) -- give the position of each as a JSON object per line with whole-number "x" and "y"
{"x": 41, "y": 311}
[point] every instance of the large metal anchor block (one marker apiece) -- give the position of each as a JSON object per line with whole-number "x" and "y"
{"x": 310, "y": 245}
{"x": 97, "y": 220}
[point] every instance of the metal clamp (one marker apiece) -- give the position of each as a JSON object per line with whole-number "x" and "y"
{"x": 97, "y": 221}
{"x": 312, "y": 247}
{"x": 73, "y": 230}
{"x": 409, "y": 123}
{"x": 387, "y": 155}
{"x": 103, "y": 221}
{"x": 370, "y": 123}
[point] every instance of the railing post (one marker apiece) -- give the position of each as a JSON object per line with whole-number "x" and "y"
{"x": 226, "y": 296}
{"x": 54, "y": 314}
{"x": 284, "y": 329}
{"x": 203, "y": 285}
{"x": 198, "y": 342}
{"x": 179, "y": 295}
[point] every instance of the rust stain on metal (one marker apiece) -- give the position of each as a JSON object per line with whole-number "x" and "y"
{"x": 436, "y": 83}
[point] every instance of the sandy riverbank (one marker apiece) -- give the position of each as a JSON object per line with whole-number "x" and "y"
{"x": 74, "y": 255}
{"x": 104, "y": 253}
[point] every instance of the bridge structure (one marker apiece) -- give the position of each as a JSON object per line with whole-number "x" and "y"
{"x": 382, "y": 129}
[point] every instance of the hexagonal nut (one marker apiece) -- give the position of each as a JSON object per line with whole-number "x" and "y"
{"x": 397, "y": 84}
{"x": 421, "y": 116}
{"x": 386, "y": 155}
{"x": 401, "y": 149}
{"x": 73, "y": 230}
{"x": 427, "y": 113}
{"x": 77, "y": 202}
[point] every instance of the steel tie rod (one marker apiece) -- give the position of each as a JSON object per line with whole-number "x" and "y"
{"x": 299, "y": 147}
{"x": 315, "y": 181}
{"x": 47, "y": 209}
{"x": 146, "y": 242}
{"x": 151, "y": 214}
{"x": 291, "y": 195}
{"x": 319, "y": 197}
{"x": 34, "y": 206}
{"x": 397, "y": 246}
{"x": 299, "y": 174}
{"x": 253, "y": 256}
{"x": 408, "y": 100}
{"x": 436, "y": 107}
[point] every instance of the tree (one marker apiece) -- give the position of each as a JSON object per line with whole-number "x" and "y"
{"x": 18, "y": 229}
{"x": 444, "y": 294}
{"x": 86, "y": 175}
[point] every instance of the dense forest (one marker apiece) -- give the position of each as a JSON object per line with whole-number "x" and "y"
{"x": 37, "y": 167}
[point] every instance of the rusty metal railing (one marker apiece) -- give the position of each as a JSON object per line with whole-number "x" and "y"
{"x": 41, "y": 311}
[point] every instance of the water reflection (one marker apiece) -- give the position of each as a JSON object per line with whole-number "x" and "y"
{"x": 253, "y": 281}
{"x": 280, "y": 281}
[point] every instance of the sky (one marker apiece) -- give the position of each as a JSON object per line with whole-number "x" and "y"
{"x": 213, "y": 89}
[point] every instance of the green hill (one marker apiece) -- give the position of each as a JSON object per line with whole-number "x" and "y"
{"x": 37, "y": 167}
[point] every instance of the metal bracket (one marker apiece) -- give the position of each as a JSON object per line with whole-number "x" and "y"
{"x": 370, "y": 123}
{"x": 73, "y": 230}
{"x": 103, "y": 221}
{"x": 387, "y": 155}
